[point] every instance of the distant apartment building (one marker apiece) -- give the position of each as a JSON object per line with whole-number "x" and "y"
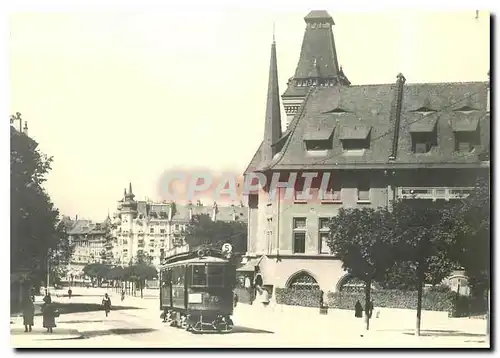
{"x": 155, "y": 229}
{"x": 90, "y": 246}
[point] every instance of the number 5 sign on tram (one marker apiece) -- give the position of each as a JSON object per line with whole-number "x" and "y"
{"x": 227, "y": 248}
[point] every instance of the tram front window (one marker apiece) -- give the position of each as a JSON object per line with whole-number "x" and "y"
{"x": 199, "y": 275}
{"x": 215, "y": 276}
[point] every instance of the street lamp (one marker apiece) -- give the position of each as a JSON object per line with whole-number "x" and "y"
{"x": 48, "y": 273}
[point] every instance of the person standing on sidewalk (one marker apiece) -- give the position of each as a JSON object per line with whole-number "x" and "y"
{"x": 28, "y": 314}
{"x": 106, "y": 302}
{"x": 358, "y": 313}
{"x": 49, "y": 314}
{"x": 70, "y": 292}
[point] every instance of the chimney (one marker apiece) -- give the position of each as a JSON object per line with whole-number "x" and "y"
{"x": 234, "y": 214}
{"x": 25, "y": 129}
{"x": 76, "y": 217}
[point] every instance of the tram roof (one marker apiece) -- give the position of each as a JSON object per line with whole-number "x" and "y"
{"x": 199, "y": 260}
{"x": 210, "y": 256}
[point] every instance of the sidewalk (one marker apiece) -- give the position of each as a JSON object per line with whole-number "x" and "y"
{"x": 39, "y": 337}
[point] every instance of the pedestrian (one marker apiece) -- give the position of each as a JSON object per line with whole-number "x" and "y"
{"x": 123, "y": 295}
{"x": 28, "y": 314}
{"x": 265, "y": 297}
{"x": 358, "y": 313}
{"x": 235, "y": 299}
{"x": 106, "y": 302}
{"x": 49, "y": 314}
{"x": 358, "y": 310}
{"x": 70, "y": 292}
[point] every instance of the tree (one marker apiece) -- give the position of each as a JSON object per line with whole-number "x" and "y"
{"x": 426, "y": 238}
{"x": 362, "y": 239}
{"x": 96, "y": 271}
{"x": 202, "y": 231}
{"x": 36, "y": 236}
{"x": 142, "y": 270}
{"x": 474, "y": 236}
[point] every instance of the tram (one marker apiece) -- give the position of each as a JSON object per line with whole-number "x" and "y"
{"x": 196, "y": 292}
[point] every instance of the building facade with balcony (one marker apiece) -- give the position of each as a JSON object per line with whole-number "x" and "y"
{"x": 370, "y": 144}
{"x": 91, "y": 245}
{"x": 155, "y": 229}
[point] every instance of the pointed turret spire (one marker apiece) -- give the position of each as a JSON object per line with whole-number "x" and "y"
{"x": 130, "y": 187}
{"x": 318, "y": 63}
{"x": 272, "y": 131}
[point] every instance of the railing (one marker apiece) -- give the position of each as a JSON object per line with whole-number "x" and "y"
{"x": 433, "y": 193}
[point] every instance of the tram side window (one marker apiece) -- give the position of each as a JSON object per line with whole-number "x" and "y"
{"x": 166, "y": 278}
{"x": 178, "y": 276}
{"x": 199, "y": 275}
{"x": 215, "y": 276}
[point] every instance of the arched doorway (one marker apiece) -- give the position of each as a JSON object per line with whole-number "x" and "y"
{"x": 302, "y": 280}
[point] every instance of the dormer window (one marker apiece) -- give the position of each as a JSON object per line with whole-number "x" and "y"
{"x": 355, "y": 137}
{"x": 315, "y": 145}
{"x": 423, "y": 135}
{"x": 467, "y": 134}
{"x": 319, "y": 140}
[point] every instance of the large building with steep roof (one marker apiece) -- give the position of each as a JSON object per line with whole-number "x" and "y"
{"x": 377, "y": 143}
{"x": 156, "y": 228}
{"x": 92, "y": 244}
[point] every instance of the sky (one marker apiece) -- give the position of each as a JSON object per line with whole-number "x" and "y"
{"x": 122, "y": 97}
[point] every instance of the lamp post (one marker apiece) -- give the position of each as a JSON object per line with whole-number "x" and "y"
{"x": 47, "y": 285}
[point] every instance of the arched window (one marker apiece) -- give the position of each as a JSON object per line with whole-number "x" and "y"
{"x": 352, "y": 284}
{"x": 303, "y": 281}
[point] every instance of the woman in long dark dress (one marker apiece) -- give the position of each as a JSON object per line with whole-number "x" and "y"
{"x": 358, "y": 310}
{"x": 28, "y": 314}
{"x": 49, "y": 314}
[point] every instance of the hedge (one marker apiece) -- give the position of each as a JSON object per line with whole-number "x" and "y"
{"x": 468, "y": 306}
{"x": 296, "y": 297}
{"x": 432, "y": 301}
